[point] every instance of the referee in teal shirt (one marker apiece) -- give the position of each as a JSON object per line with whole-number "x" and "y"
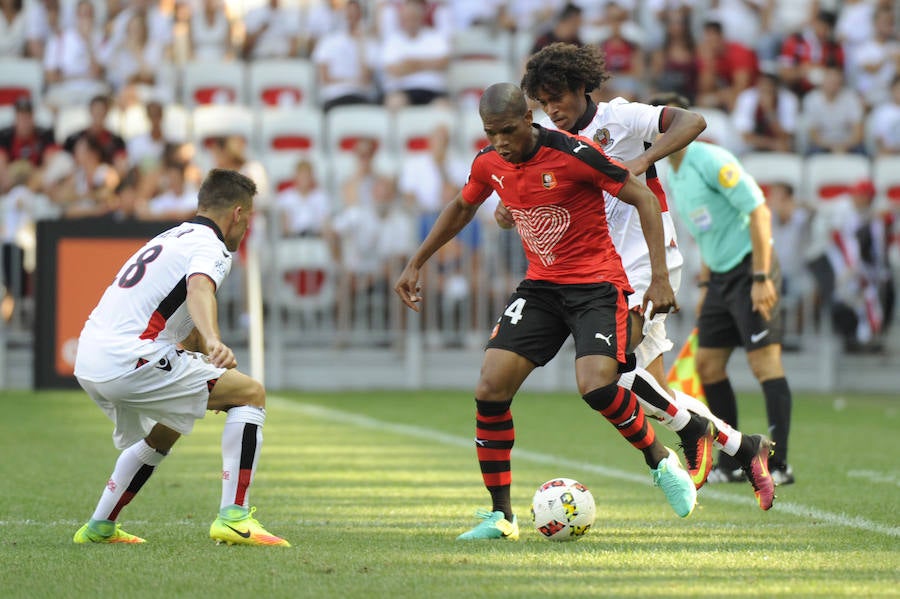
{"x": 724, "y": 210}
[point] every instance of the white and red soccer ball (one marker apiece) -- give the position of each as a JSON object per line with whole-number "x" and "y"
{"x": 563, "y": 509}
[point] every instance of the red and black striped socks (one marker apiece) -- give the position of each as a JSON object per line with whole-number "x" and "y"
{"x": 494, "y": 439}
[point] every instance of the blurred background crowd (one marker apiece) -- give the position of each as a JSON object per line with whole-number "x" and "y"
{"x": 358, "y": 121}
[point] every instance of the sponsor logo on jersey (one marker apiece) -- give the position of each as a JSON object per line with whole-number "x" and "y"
{"x": 548, "y": 180}
{"x": 541, "y": 229}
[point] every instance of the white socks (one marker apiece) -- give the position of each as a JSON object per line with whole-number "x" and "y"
{"x": 657, "y": 403}
{"x": 133, "y": 468}
{"x": 241, "y": 442}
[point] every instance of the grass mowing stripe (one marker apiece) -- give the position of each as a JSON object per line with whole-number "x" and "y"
{"x": 436, "y": 436}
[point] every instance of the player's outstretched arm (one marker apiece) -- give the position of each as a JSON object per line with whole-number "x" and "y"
{"x": 679, "y": 128}
{"x": 660, "y": 291}
{"x": 452, "y": 219}
{"x": 204, "y": 311}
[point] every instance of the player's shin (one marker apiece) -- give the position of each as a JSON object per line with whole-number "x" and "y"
{"x": 241, "y": 442}
{"x": 494, "y": 439}
{"x": 621, "y": 408}
{"x": 655, "y": 400}
{"x": 133, "y": 469}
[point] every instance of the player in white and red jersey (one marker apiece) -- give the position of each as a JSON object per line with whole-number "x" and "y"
{"x": 150, "y": 356}
{"x": 552, "y": 183}
{"x": 559, "y": 77}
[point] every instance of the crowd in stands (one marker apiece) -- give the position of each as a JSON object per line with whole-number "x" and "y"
{"x": 805, "y": 77}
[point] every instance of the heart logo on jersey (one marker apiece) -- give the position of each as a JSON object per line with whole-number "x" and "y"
{"x": 541, "y": 229}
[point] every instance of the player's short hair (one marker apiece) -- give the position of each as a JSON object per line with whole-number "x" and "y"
{"x": 562, "y": 67}
{"x": 224, "y": 188}
{"x": 502, "y": 98}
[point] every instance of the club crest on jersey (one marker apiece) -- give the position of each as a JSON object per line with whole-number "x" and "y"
{"x": 602, "y": 137}
{"x": 548, "y": 180}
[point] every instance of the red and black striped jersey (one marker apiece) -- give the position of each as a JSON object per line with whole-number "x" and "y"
{"x": 556, "y": 199}
{"x": 143, "y": 313}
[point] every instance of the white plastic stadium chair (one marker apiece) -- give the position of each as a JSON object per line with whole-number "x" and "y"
{"x": 413, "y": 126}
{"x": 281, "y": 83}
{"x": 481, "y": 42}
{"x": 769, "y": 168}
{"x": 292, "y": 130}
{"x": 213, "y": 83}
{"x": 218, "y": 121}
{"x": 830, "y": 175}
{"x": 280, "y": 167}
{"x": 305, "y": 277}
{"x": 471, "y": 135}
{"x": 886, "y": 176}
{"x": 20, "y": 77}
{"x": 467, "y": 79}
{"x": 345, "y": 125}
{"x": 719, "y": 129}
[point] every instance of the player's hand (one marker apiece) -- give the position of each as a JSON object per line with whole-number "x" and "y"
{"x": 637, "y": 166}
{"x": 219, "y": 354}
{"x": 764, "y": 297}
{"x": 503, "y": 217}
{"x": 660, "y": 297}
{"x": 408, "y": 288}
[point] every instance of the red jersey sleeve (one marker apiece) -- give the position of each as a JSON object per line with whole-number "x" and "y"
{"x": 477, "y": 187}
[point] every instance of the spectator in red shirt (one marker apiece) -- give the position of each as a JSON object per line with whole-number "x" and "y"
{"x": 805, "y": 54}
{"x": 726, "y": 68}
{"x": 23, "y": 141}
{"x": 113, "y": 147}
{"x": 624, "y": 58}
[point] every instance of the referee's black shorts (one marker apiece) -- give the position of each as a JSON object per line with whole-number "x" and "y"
{"x": 727, "y": 317}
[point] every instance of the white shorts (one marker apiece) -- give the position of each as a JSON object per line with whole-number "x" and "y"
{"x": 656, "y": 341}
{"x": 172, "y": 391}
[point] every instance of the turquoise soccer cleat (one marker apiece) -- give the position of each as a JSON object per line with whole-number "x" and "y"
{"x": 676, "y": 483}
{"x": 494, "y": 525}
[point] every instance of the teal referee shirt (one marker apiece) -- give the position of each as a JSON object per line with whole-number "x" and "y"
{"x": 714, "y": 197}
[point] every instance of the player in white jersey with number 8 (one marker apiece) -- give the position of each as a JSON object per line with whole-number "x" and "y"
{"x": 150, "y": 356}
{"x": 559, "y": 78}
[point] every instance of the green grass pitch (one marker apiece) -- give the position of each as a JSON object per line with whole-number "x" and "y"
{"x": 372, "y": 489}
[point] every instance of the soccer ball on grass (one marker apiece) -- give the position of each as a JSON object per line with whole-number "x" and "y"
{"x": 562, "y": 509}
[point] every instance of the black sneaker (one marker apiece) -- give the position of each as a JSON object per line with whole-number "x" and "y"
{"x": 782, "y": 475}
{"x": 725, "y": 475}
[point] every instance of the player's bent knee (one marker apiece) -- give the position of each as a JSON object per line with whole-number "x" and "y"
{"x": 601, "y": 397}
{"x": 491, "y": 389}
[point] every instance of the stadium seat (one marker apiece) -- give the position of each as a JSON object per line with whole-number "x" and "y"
{"x": 305, "y": 277}
{"x": 481, "y": 42}
{"x": 775, "y": 167}
{"x": 471, "y": 135}
{"x": 72, "y": 119}
{"x": 20, "y": 77}
{"x": 133, "y": 122}
{"x": 281, "y": 83}
{"x": 830, "y": 175}
{"x": 886, "y": 176}
{"x": 215, "y": 121}
{"x": 212, "y": 83}
{"x": 345, "y": 125}
{"x": 294, "y": 130}
{"x": 467, "y": 79}
{"x": 413, "y": 125}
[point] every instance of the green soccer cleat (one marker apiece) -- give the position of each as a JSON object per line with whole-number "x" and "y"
{"x": 676, "y": 483}
{"x": 237, "y": 526}
{"x": 494, "y": 525}
{"x": 105, "y": 531}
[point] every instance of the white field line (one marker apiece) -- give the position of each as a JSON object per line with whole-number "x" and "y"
{"x": 435, "y": 436}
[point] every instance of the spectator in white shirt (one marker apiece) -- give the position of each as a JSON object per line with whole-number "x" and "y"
{"x": 304, "y": 208}
{"x": 146, "y": 151}
{"x": 885, "y": 123}
{"x": 132, "y": 66}
{"x": 834, "y": 116}
{"x": 72, "y": 65}
{"x": 877, "y": 60}
{"x": 211, "y": 31}
{"x": 12, "y": 29}
{"x": 766, "y": 115}
{"x": 343, "y": 62}
{"x": 415, "y": 60}
{"x": 178, "y": 199}
{"x": 159, "y": 23}
{"x": 272, "y": 31}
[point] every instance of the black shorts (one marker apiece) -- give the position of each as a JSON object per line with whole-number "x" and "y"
{"x": 540, "y": 316}
{"x": 727, "y": 318}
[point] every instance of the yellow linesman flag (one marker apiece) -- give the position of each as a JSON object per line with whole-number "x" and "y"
{"x": 683, "y": 374}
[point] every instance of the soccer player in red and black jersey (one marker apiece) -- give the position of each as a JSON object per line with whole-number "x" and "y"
{"x": 552, "y": 182}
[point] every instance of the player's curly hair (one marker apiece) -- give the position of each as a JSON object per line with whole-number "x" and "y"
{"x": 560, "y": 67}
